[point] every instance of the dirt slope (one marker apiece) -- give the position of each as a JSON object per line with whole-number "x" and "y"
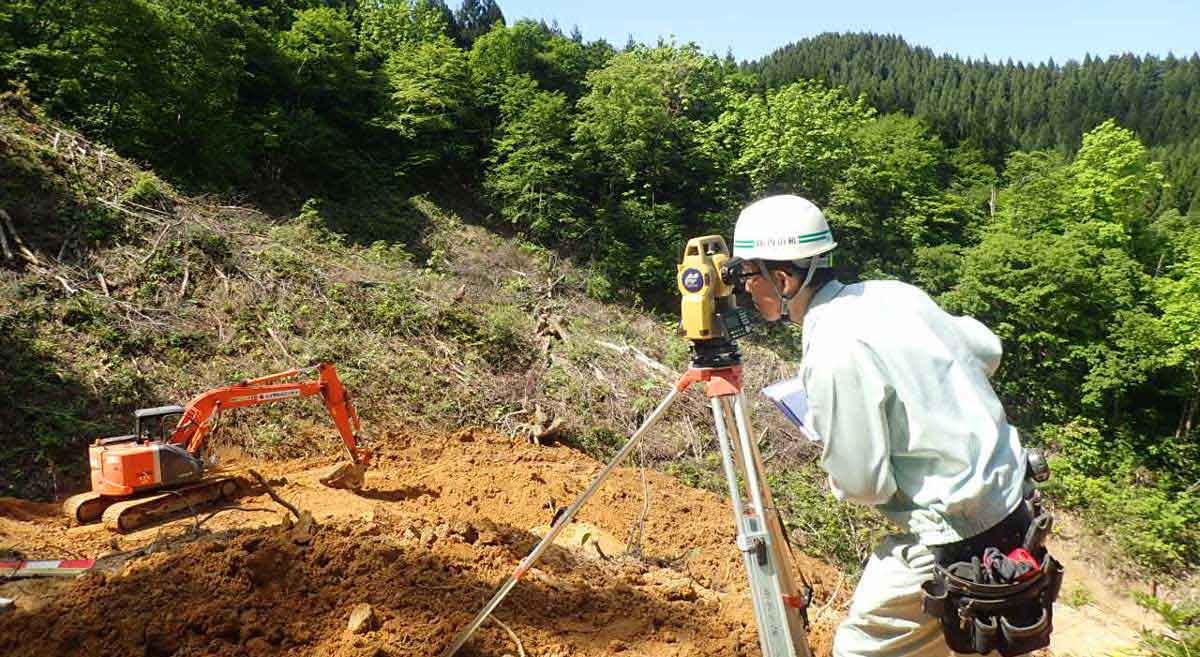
{"x": 441, "y": 522}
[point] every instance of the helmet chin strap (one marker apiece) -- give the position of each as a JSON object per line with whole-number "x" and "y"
{"x": 786, "y": 299}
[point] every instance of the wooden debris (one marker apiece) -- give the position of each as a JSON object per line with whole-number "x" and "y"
{"x": 541, "y": 430}
{"x": 275, "y": 496}
{"x": 639, "y": 356}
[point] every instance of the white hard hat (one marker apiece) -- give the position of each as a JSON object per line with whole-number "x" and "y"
{"x": 783, "y": 227}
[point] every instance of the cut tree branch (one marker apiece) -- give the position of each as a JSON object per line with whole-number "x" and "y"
{"x": 511, "y": 635}
{"x": 12, "y": 230}
{"x": 273, "y": 495}
{"x": 639, "y": 355}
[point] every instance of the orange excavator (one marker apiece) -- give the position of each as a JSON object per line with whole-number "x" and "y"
{"x": 159, "y": 470}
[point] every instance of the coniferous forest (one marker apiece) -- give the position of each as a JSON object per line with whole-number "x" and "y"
{"x": 1057, "y": 203}
{"x": 1002, "y": 107}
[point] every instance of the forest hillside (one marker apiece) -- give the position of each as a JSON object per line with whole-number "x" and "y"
{"x": 478, "y": 221}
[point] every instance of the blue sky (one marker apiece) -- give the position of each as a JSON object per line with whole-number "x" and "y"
{"x": 1025, "y": 30}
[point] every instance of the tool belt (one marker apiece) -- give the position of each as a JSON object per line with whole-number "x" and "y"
{"x": 980, "y": 615}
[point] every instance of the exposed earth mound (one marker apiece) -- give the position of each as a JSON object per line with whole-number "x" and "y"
{"x": 400, "y": 567}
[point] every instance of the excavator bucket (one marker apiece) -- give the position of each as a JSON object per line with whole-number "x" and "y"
{"x": 346, "y": 475}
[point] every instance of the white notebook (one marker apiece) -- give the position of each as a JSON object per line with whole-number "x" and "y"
{"x": 791, "y": 398}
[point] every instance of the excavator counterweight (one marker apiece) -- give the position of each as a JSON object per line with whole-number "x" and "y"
{"x": 160, "y": 469}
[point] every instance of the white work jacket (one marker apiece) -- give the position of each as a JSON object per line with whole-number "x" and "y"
{"x": 899, "y": 394}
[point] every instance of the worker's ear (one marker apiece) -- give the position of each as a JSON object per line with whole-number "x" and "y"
{"x": 786, "y": 282}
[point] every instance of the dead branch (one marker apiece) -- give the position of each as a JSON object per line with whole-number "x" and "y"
{"x": 150, "y": 209}
{"x": 122, "y": 209}
{"x": 8, "y": 254}
{"x": 66, "y": 285}
{"x": 186, "y": 274}
{"x": 832, "y": 598}
{"x": 12, "y": 230}
{"x": 262, "y": 286}
{"x": 640, "y": 528}
{"x": 224, "y": 279}
{"x": 103, "y": 283}
{"x": 154, "y": 247}
{"x": 553, "y": 285}
{"x": 273, "y": 495}
{"x": 511, "y": 635}
{"x": 639, "y": 356}
{"x": 279, "y": 342}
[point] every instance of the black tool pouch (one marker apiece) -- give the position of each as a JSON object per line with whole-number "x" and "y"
{"x": 1012, "y": 619}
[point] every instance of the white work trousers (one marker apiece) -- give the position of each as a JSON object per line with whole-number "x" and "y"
{"x": 885, "y": 618}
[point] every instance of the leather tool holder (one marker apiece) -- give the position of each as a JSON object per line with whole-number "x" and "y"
{"x": 1012, "y": 619}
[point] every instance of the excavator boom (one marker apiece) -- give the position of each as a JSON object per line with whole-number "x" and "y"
{"x": 201, "y": 413}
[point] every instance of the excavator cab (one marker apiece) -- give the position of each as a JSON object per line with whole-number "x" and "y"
{"x": 156, "y": 424}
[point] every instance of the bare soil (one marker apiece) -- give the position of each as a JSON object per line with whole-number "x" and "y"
{"x": 1109, "y": 619}
{"x": 441, "y": 522}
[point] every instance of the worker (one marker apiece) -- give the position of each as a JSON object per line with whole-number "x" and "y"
{"x": 897, "y": 392}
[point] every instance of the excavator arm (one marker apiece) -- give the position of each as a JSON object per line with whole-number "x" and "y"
{"x": 201, "y": 413}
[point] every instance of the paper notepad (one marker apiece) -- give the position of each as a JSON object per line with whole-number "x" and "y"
{"x": 792, "y": 400}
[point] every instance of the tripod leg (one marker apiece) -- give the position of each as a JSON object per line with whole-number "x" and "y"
{"x": 728, "y": 461}
{"x": 781, "y": 627}
{"x": 768, "y": 499}
{"x": 565, "y": 518}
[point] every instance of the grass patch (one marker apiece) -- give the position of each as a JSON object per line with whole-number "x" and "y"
{"x": 1182, "y": 637}
{"x": 1078, "y": 596}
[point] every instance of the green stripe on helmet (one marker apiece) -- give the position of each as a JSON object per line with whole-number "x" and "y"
{"x": 819, "y": 236}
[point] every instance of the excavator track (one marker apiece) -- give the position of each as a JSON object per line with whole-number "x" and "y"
{"x": 130, "y": 514}
{"x": 86, "y": 508}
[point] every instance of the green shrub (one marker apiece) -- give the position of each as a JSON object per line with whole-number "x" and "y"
{"x": 599, "y": 287}
{"x": 1159, "y": 529}
{"x": 496, "y": 337}
{"x": 1078, "y": 596}
{"x": 838, "y": 532}
{"x": 1183, "y": 623}
{"x": 288, "y": 264}
{"x": 705, "y": 474}
{"x": 1090, "y": 451}
{"x": 600, "y": 443}
{"x": 393, "y": 309}
{"x": 98, "y": 224}
{"x": 148, "y": 190}
{"x": 215, "y": 246}
{"x": 679, "y": 353}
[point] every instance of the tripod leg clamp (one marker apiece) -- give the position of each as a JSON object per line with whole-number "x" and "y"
{"x": 754, "y": 542}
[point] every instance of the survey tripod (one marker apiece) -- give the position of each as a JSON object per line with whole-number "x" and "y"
{"x": 779, "y": 607}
